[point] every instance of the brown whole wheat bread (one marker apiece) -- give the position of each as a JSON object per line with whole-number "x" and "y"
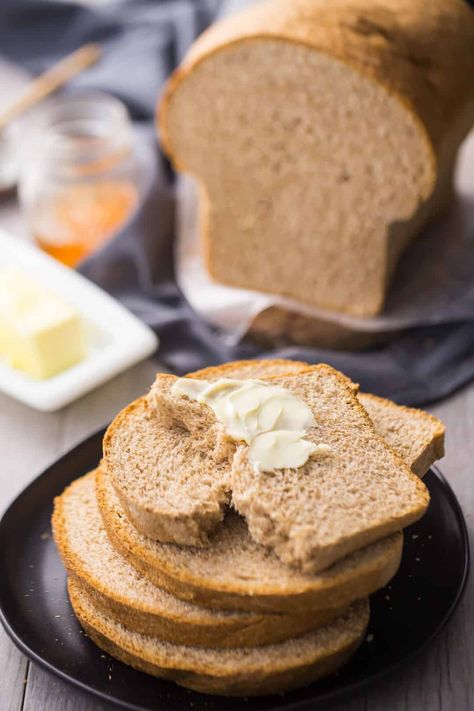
{"x": 313, "y": 515}
{"x": 118, "y": 590}
{"x": 360, "y": 491}
{"x": 414, "y": 434}
{"x": 233, "y": 572}
{"x": 168, "y": 488}
{"x": 233, "y": 672}
{"x": 346, "y": 135}
{"x": 172, "y": 493}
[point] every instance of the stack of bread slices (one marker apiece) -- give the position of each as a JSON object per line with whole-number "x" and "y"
{"x": 187, "y": 563}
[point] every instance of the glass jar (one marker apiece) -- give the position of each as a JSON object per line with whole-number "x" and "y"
{"x": 80, "y": 180}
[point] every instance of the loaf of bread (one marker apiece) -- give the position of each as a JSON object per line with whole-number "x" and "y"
{"x": 323, "y": 136}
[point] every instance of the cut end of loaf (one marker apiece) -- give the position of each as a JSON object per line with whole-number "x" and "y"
{"x": 306, "y": 152}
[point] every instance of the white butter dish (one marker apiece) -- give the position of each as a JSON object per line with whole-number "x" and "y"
{"x": 116, "y": 339}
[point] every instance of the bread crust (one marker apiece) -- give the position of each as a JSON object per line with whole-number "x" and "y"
{"x": 259, "y": 629}
{"x": 260, "y": 679}
{"x": 222, "y": 370}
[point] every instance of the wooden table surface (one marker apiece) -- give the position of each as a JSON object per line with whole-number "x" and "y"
{"x": 441, "y": 679}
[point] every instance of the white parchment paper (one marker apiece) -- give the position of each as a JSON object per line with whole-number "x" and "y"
{"x": 433, "y": 284}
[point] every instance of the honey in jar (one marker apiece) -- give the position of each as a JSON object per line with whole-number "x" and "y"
{"x": 82, "y": 182}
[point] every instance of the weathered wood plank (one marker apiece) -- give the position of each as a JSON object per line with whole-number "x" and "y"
{"x": 13, "y": 667}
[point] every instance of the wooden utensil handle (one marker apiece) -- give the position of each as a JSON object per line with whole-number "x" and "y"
{"x": 51, "y": 80}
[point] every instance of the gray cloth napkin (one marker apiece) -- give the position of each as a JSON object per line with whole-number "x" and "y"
{"x": 143, "y": 41}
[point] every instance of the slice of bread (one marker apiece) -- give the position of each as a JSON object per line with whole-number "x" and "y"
{"x": 415, "y": 435}
{"x": 236, "y": 573}
{"x": 174, "y": 494}
{"x": 316, "y": 514}
{"x": 233, "y": 672}
{"x": 358, "y": 492}
{"x": 353, "y": 105}
{"x": 171, "y": 484}
{"x": 118, "y": 590}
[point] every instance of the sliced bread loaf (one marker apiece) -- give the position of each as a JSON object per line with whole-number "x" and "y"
{"x": 358, "y": 492}
{"x": 236, "y": 573}
{"x": 415, "y": 435}
{"x": 232, "y": 672}
{"x": 118, "y": 590}
{"x": 353, "y": 105}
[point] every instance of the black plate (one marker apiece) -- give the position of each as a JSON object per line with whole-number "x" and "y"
{"x": 35, "y": 611}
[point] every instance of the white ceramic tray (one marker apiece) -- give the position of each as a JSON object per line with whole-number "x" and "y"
{"x": 116, "y": 339}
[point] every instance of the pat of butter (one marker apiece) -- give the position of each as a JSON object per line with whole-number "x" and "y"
{"x": 282, "y": 449}
{"x": 39, "y": 333}
{"x": 269, "y": 418}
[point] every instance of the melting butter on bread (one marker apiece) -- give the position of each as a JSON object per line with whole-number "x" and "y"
{"x": 416, "y": 436}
